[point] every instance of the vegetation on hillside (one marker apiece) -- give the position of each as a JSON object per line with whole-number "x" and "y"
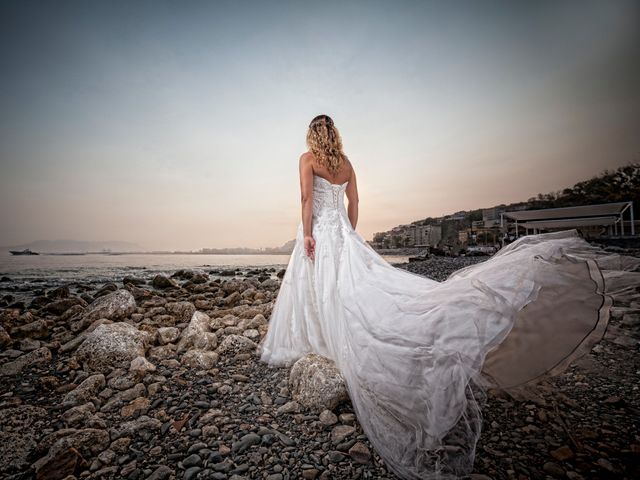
{"x": 619, "y": 185}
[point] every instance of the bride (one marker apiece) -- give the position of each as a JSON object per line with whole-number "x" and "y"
{"x": 417, "y": 355}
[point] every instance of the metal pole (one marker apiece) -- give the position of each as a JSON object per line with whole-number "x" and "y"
{"x": 633, "y": 228}
{"x": 621, "y": 225}
{"x": 516, "y": 228}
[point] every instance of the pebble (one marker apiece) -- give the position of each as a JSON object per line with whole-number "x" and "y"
{"x": 238, "y": 420}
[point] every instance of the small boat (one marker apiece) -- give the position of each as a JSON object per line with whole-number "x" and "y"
{"x": 26, "y": 251}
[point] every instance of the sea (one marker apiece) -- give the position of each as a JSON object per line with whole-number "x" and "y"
{"x": 23, "y": 275}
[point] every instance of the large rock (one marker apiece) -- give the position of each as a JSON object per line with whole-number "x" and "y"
{"x": 21, "y": 427}
{"x": 198, "y": 334}
{"x": 316, "y": 383}
{"x": 132, "y": 427}
{"x": 167, "y": 335}
{"x": 162, "y": 282}
{"x": 236, "y": 344}
{"x": 84, "y": 392}
{"x": 200, "y": 359}
{"x": 5, "y": 339}
{"x": 111, "y": 346}
{"x": 183, "y": 311}
{"x": 58, "y": 307}
{"x": 71, "y": 447}
{"x": 114, "y": 306}
{"x": 37, "y": 357}
{"x": 36, "y": 329}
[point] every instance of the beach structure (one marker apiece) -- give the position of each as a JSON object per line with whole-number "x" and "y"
{"x": 600, "y": 219}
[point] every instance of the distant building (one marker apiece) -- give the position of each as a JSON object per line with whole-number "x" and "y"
{"x": 491, "y": 216}
{"x": 591, "y": 220}
{"x": 424, "y": 235}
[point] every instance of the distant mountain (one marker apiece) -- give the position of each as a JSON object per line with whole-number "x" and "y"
{"x": 286, "y": 248}
{"x": 75, "y": 246}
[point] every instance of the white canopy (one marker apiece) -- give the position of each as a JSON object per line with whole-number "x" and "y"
{"x": 569, "y": 212}
{"x": 570, "y": 222}
{"x": 605, "y": 214}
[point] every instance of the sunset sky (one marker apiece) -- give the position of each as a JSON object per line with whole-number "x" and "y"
{"x": 179, "y": 125}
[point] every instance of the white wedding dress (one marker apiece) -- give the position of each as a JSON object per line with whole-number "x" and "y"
{"x": 417, "y": 354}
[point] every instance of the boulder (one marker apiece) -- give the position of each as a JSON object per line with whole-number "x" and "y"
{"x": 36, "y": 329}
{"x": 58, "y": 307}
{"x": 253, "y": 323}
{"x": 70, "y": 446}
{"x": 21, "y": 427}
{"x": 200, "y": 359}
{"x": 113, "y": 306}
{"x": 316, "y": 383}
{"x": 236, "y": 344}
{"x": 133, "y": 427}
{"x": 84, "y": 392}
{"x": 5, "y": 339}
{"x": 111, "y": 346}
{"x": 140, "y": 366}
{"x": 167, "y": 335}
{"x": 162, "y": 282}
{"x": 183, "y": 311}
{"x": 37, "y": 357}
{"x": 198, "y": 333}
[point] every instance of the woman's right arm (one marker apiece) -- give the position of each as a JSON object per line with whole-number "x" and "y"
{"x": 306, "y": 194}
{"x": 352, "y": 197}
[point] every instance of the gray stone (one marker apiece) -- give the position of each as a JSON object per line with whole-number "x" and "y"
{"x": 84, "y": 392}
{"x": 167, "y": 335}
{"x": 111, "y": 346}
{"x": 40, "y": 356}
{"x": 197, "y": 334}
{"x": 236, "y": 344}
{"x": 316, "y": 383}
{"x": 140, "y": 366}
{"x": 162, "y": 282}
{"x": 113, "y": 306}
{"x": 200, "y": 359}
{"x": 21, "y": 427}
{"x": 245, "y": 442}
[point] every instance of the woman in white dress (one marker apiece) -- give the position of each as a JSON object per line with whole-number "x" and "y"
{"x": 417, "y": 354}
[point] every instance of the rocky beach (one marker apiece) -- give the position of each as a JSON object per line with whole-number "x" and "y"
{"x": 158, "y": 378}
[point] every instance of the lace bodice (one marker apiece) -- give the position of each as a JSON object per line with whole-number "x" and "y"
{"x": 327, "y": 195}
{"x": 329, "y": 212}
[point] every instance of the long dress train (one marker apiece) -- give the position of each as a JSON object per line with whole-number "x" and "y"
{"x": 417, "y": 355}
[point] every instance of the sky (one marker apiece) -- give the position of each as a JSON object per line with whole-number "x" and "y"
{"x": 179, "y": 125}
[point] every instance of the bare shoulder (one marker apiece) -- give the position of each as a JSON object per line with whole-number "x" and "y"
{"x": 349, "y": 166}
{"x": 306, "y": 159}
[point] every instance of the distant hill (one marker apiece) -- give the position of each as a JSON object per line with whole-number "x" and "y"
{"x": 285, "y": 248}
{"x": 619, "y": 185}
{"x": 75, "y": 246}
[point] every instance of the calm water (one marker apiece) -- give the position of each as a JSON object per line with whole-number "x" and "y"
{"x": 30, "y": 272}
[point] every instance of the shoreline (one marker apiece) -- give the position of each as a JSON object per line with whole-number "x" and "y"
{"x": 202, "y": 403}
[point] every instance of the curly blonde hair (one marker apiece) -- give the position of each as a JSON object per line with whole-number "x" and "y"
{"x": 324, "y": 141}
